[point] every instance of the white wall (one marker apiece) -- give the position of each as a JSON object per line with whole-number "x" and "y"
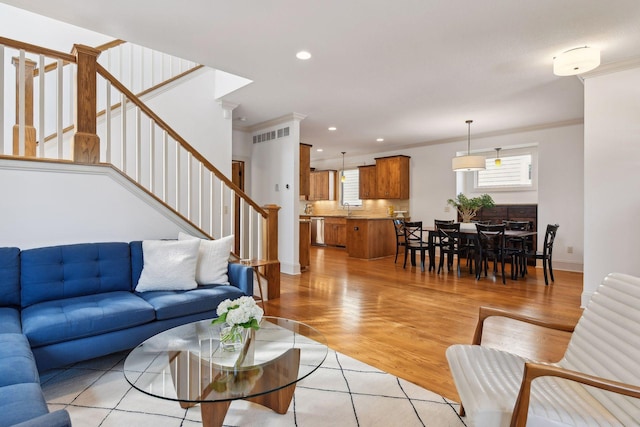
{"x": 276, "y": 166}
{"x": 559, "y": 195}
{"x": 612, "y": 187}
{"x": 47, "y": 204}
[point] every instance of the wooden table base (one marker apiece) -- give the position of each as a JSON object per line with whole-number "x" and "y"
{"x": 282, "y": 370}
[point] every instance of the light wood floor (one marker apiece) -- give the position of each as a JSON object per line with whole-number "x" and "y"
{"x": 402, "y": 321}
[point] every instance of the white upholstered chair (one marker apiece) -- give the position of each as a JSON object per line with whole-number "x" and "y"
{"x": 497, "y": 388}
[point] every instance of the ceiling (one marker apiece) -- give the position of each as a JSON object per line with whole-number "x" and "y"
{"x": 408, "y": 71}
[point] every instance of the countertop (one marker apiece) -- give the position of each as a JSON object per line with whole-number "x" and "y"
{"x": 368, "y": 217}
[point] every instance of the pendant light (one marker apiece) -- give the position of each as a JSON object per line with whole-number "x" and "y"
{"x": 343, "y": 178}
{"x": 468, "y": 162}
{"x": 498, "y": 161}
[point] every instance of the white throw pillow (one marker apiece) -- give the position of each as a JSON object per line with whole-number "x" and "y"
{"x": 168, "y": 265}
{"x": 213, "y": 259}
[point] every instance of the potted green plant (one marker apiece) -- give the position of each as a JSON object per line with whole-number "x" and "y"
{"x": 469, "y": 208}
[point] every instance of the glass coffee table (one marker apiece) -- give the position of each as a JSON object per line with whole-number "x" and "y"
{"x": 186, "y": 364}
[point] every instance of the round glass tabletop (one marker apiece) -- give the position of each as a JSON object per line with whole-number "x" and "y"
{"x": 188, "y": 364}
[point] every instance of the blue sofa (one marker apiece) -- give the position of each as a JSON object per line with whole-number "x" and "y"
{"x": 64, "y": 304}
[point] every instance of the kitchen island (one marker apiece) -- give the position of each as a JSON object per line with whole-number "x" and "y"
{"x": 370, "y": 237}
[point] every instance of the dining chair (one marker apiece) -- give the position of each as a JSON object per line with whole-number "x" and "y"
{"x": 519, "y": 246}
{"x": 547, "y": 252}
{"x": 398, "y": 224}
{"x": 451, "y": 245}
{"x": 414, "y": 242}
{"x": 491, "y": 246}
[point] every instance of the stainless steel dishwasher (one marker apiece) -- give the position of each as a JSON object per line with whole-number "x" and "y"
{"x": 317, "y": 230}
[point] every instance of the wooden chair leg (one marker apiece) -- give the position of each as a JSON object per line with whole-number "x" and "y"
{"x": 544, "y": 268}
{"x": 551, "y": 270}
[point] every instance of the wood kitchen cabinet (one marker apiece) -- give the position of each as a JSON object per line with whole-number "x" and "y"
{"x": 305, "y": 243}
{"x": 305, "y": 170}
{"x": 367, "y": 182}
{"x": 323, "y": 185}
{"x": 335, "y": 231}
{"x": 392, "y": 177}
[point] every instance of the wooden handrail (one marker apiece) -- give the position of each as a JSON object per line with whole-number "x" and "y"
{"x": 109, "y": 45}
{"x": 37, "y": 49}
{"x": 163, "y": 125}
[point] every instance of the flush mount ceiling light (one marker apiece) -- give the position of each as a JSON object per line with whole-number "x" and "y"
{"x": 343, "y": 178}
{"x": 468, "y": 163}
{"x": 303, "y": 55}
{"x": 576, "y": 61}
{"x": 380, "y": 140}
{"x": 498, "y": 160}
{"x": 319, "y": 150}
{"x": 332, "y": 128}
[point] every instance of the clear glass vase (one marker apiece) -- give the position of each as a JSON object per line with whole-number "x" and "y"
{"x": 232, "y": 337}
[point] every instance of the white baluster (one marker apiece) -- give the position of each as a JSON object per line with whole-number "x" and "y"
{"x": 108, "y": 121}
{"x": 59, "y": 111}
{"x": 123, "y": 133}
{"x": 189, "y": 186}
{"x": 152, "y": 156}
{"x": 21, "y": 103}
{"x": 177, "y": 176}
{"x": 41, "y": 93}
{"x": 165, "y": 165}
{"x": 138, "y": 145}
{"x": 2, "y": 97}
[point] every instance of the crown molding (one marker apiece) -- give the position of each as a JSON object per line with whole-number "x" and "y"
{"x": 613, "y": 67}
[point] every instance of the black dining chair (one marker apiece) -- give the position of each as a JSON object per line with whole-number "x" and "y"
{"x": 491, "y": 247}
{"x": 398, "y": 224}
{"x": 547, "y": 252}
{"x": 451, "y": 245}
{"x": 414, "y": 242}
{"x": 519, "y": 246}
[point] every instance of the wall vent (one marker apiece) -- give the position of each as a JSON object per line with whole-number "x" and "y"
{"x": 268, "y": 136}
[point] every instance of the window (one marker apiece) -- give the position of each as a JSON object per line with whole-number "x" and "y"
{"x": 351, "y": 188}
{"x": 515, "y": 171}
{"x": 518, "y": 172}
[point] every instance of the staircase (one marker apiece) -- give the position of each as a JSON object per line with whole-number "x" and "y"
{"x": 71, "y": 108}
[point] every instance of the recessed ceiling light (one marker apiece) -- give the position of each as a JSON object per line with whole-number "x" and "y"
{"x": 332, "y": 128}
{"x": 319, "y": 150}
{"x": 380, "y": 139}
{"x": 303, "y": 54}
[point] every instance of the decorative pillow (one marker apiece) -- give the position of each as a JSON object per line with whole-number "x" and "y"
{"x": 213, "y": 259}
{"x": 168, "y": 265}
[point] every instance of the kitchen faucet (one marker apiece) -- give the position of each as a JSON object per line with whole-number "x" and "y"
{"x": 348, "y": 208}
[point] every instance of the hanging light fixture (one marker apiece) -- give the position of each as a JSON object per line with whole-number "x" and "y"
{"x": 343, "y": 178}
{"x": 498, "y": 161}
{"x": 468, "y": 162}
{"x": 576, "y": 61}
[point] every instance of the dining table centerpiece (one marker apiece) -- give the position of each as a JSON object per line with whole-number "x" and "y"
{"x": 238, "y": 318}
{"x": 469, "y": 207}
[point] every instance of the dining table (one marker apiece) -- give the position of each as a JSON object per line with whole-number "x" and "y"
{"x": 468, "y": 233}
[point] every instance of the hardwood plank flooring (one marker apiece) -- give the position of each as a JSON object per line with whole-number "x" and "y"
{"x": 402, "y": 320}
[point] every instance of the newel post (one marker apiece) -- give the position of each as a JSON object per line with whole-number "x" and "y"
{"x": 86, "y": 143}
{"x": 272, "y": 271}
{"x": 29, "y": 131}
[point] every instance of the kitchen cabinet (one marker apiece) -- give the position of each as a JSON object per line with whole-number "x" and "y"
{"x": 305, "y": 243}
{"x": 305, "y": 170}
{"x": 335, "y": 231}
{"x": 323, "y": 185}
{"x": 392, "y": 177}
{"x": 367, "y": 182}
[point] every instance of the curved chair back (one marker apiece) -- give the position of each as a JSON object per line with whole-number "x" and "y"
{"x": 606, "y": 343}
{"x": 549, "y": 238}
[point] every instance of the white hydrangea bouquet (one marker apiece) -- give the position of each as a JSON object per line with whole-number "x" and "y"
{"x": 238, "y": 315}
